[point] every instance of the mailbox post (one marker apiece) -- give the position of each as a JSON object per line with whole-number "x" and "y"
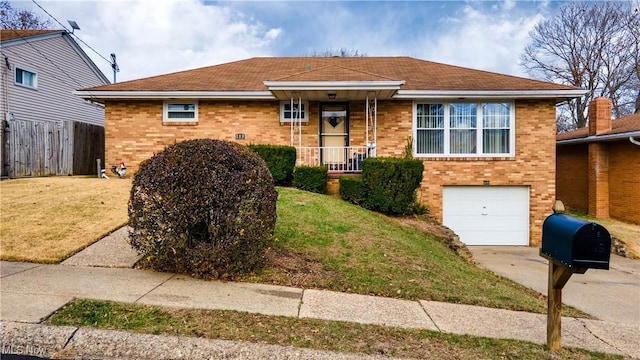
{"x": 572, "y": 246}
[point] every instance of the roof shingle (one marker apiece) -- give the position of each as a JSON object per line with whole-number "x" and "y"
{"x": 249, "y": 75}
{"x": 12, "y": 34}
{"x": 622, "y": 125}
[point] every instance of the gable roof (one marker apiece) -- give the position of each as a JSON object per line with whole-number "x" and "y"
{"x": 12, "y": 37}
{"x": 333, "y": 72}
{"x": 276, "y": 77}
{"x": 10, "y": 34}
{"x": 620, "y": 128}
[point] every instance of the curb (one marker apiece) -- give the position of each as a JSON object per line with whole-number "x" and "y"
{"x": 67, "y": 342}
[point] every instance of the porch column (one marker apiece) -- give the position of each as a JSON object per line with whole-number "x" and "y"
{"x": 296, "y": 120}
{"x": 371, "y": 136}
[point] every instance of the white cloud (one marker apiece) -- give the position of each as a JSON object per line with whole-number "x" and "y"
{"x": 156, "y": 37}
{"x": 162, "y": 36}
{"x": 483, "y": 39}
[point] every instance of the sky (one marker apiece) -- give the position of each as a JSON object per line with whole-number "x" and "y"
{"x": 153, "y": 37}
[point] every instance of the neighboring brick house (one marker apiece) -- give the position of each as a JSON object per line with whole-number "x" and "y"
{"x": 598, "y": 168}
{"x": 487, "y": 140}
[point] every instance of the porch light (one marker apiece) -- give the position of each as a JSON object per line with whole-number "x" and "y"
{"x": 331, "y": 96}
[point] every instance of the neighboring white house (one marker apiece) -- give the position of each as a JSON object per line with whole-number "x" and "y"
{"x": 46, "y": 129}
{"x": 40, "y": 71}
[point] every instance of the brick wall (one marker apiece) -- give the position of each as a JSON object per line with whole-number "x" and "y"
{"x": 612, "y": 189}
{"x": 134, "y": 132}
{"x": 533, "y": 166}
{"x": 598, "y": 155}
{"x": 572, "y": 180}
{"x": 624, "y": 181}
{"x": 601, "y": 178}
{"x": 395, "y": 121}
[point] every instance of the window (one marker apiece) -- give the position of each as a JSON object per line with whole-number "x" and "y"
{"x": 496, "y": 128}
{"x": 430, "y": 125}
{"x": 464, "y": 129}
{"x": 26, "y": 78}
{"x": 286, "y": 114}
{"x": 462, "y": 125}
{"x": 178, "y": 111}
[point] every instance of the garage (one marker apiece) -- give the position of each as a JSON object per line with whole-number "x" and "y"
{"x": 487, "y": 215}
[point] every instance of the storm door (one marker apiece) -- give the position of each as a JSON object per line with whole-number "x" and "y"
{"x": 334, "y": 135}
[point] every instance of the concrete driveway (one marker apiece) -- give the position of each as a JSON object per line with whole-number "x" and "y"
{"x": 612, "y": 295}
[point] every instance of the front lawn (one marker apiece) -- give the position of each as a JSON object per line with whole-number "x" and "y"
{"x": 347, "y": 248}
{"x": 320, "y": 242}
{"x": 48, "y": 219}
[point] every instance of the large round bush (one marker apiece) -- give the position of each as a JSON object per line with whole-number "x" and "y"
{"x": 203, "y": 207}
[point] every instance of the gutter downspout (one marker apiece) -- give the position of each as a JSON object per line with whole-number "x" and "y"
{"x": 634, "y": 141}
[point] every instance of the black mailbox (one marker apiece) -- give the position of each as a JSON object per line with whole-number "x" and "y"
{"x": 575, "y": 243}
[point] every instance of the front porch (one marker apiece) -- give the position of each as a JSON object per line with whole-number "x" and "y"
{"x": 337, "y": 133}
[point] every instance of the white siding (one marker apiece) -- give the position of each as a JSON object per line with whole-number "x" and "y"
{"x": 61, "y": 70}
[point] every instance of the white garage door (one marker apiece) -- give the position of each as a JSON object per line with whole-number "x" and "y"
{"x": 487, "y": 215}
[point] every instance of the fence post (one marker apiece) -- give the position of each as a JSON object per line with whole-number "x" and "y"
{"x": 99, "y": 168}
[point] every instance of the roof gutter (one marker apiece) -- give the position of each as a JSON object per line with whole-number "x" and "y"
{"x": 148, "y": 95}
{"x": 598, "y": 138}
{"x": 489, "y": 94}
{"x": 334, "y": 85}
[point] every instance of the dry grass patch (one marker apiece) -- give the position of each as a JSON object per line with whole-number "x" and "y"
{"x": 628, "y": 233}
{"x": 49, "y": 219}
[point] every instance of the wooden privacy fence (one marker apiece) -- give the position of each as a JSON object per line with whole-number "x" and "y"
{"x": 88, "y": 145}
{"x": 42, "y": 148}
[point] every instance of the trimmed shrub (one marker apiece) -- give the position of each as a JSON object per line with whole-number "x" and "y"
{"x": 311, "y": 178}
{"x": 203, "y": 207}
{"x": 280, "y": 160}
{"x": 391, "y": 184}
{"x": 352, "y": 189}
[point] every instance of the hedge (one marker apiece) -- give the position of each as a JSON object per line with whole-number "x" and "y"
{"x": 280, "y": 160}
{"x": 352, "y": 189}
{"x": 391, "y": 183}
{"x": 311, "y": 178}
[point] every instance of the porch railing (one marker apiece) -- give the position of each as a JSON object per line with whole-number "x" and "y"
{"x": 339, "y": 159}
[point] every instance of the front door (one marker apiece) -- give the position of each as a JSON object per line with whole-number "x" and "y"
{"x": 334, "y": 135}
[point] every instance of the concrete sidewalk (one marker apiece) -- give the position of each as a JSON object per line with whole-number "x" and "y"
{"x": 31, "y": 292}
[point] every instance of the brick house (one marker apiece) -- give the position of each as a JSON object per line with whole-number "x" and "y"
{"x": 598, "y": 168}
{"x": 486, "y": 139}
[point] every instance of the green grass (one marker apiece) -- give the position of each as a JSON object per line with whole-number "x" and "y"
{"x": 306, "y": 333}
{"x": 374, "y": 254}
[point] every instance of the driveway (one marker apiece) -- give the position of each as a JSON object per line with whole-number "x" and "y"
{"x": 612, "y": 295}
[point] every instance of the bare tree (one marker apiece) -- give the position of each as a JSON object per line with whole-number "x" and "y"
{"x": 634, "y": 29}
{"x": 589, "y": 45}
{"x": 342, "y": 52}
{"x": 16, "y": 19}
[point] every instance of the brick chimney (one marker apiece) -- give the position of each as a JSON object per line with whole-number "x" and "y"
{"x": 599, "y": 122}
{"x": 599, "y": 116}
